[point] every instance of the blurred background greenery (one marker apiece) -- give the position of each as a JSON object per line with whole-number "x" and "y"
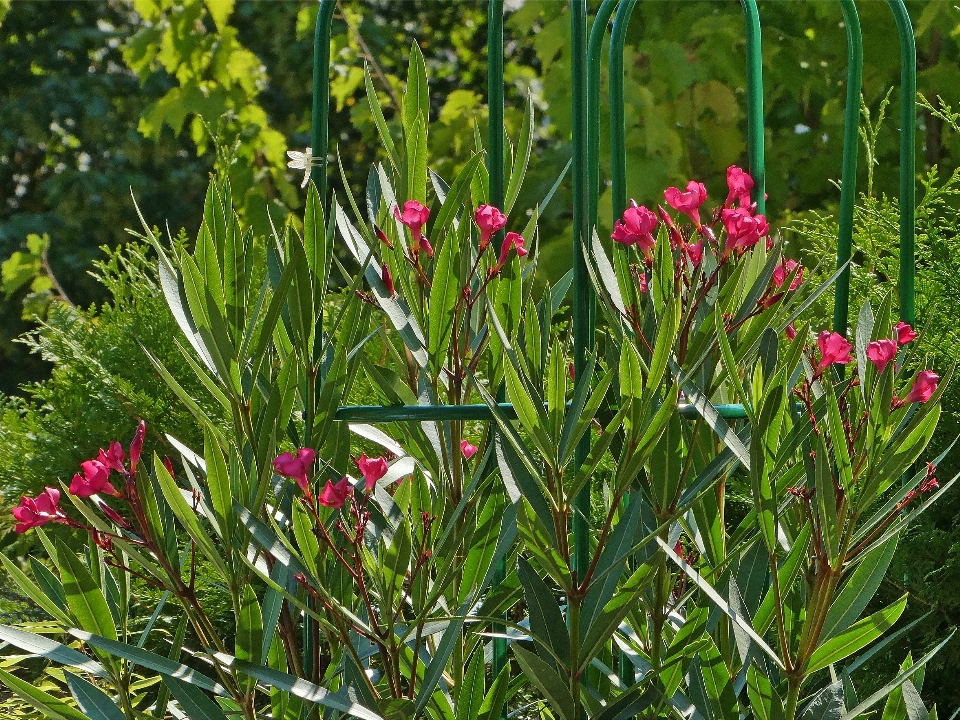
{"x": 102, "y": 98}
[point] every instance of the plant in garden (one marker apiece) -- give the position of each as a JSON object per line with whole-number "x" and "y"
{"x": 363, "y": 567}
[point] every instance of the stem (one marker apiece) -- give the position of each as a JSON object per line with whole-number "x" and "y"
{"x": 793, "y": 696}
{"x": 573, "y": 615}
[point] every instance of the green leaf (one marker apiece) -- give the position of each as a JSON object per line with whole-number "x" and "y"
{"x": 221, "y": 492}
{"x": 86, "y": 600}
{"x": 416, "y": 101}
{"x": 443, "y": 298}
{"x": 893, "y": 684}
{"x": 453, "y": 202}
{"x": 547, "y": 681}
{"x": 187, "y": 517}
{"x": 316, "y": 242}
{"x": 149, "y": 660}
{"x": 522, "y": 158}
{"x": 249, "y": 638}
{"x": 764, "y": 700}
{"x": 493, "y": 703}
{"x": 95, "y": 703}
{"x": 416, "y": 160}
{"x": 857, "y": 636}
{"x": 29, "y": 589}
{"x": 194, "y": 703}
{"x": 379, "y": 120}
{"x": 546, "y": 621}
{"x": 710, "y": 679}
{"x": 470, "y": 698}
{"x": 858, "y": 590}
{"x": 50, "y": 706}
{"x": 718, "y": 600}
{"x": 51, "y": 650}
{"x": 610, "y": 566}
{"x": 395, "y": 562}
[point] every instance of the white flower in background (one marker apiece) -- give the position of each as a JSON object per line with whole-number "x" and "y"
{"x": 302, "y": 161}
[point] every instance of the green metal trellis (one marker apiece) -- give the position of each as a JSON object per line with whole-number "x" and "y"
{"x": 585, "y": 80}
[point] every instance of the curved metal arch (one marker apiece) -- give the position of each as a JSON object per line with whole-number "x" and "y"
{"x": 320, "y": 117}
{"x": 755, "y": 140}
{"x": 848, "y": 177}
{"x": 908, "y": 160}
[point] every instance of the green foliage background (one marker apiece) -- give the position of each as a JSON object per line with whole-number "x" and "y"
{"x": 101, "y": 98}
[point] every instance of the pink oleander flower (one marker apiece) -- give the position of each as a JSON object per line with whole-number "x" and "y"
{"x": 834, "y": 349}
{"x": 34, "y": 512}
{"x": 467, "y": 449}
{"x": 636, "y": 228}
{"x": 739, "y": 183}
{"x": 790, "y": 331}
{"x": 387, "y": 279}
{"x": 136, "y": 446}
{"x": 881, "y": 352}
{"x": 905, "y": 333}
{"x": 95, "y": 480}
{"x": 490, "y": 221}
{"x": 924, "y": 386}
{"x": 112, "y": 458}
{"x": 744, "y": 229}
{"x": 414, "y": 215}
{"x": 783, "y": 270}
{"x": 688, "y": 202}
{"x": 695, "y": 252}
{"x": 296, "y": 466}
{"x": 512, "y": 240}
{"x": 334, "y": 496}
{"x": 372, "y": 469}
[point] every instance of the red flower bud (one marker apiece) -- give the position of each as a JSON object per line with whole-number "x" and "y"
{"x": 136, "y": 446}
{"x": 387, "y": 279}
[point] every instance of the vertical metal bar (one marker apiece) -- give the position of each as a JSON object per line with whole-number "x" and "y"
{"x": 583, "y": 296}
{"x": 848, "y": 182}
{"x": 908, "y": 139}
{"x": 755, "y": 103}
{"x": 618, "y": 145}
{"x": 320, "y": 118}
{"x": 319, "y": 134}
{"x": 594, "y": 48}
{"x": 618, "y": 178}
{"x": 495, "y": 170}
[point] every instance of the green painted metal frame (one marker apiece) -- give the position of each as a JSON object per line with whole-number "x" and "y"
{"x": 585, "y": 79}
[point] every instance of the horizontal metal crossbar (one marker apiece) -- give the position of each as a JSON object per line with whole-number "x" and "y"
{"x": 445, "y": 413}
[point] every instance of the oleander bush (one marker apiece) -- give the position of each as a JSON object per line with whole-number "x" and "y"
{"x": 269, "y": 559}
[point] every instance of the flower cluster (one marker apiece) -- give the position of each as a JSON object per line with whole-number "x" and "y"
{"x": 93, "y": 479}
{"x": 489, "y": 219}
{"x": 744, "y": 227}
{"x": 297, "y": 466}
